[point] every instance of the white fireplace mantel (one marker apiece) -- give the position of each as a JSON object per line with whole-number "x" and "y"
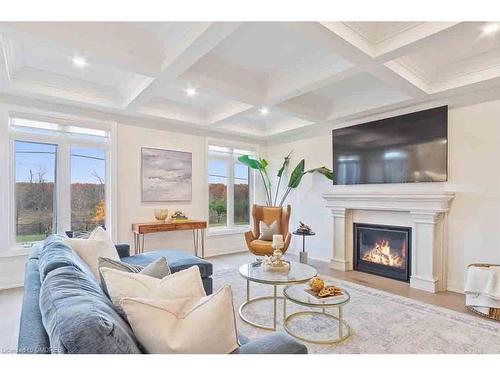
{"x": 426, "y": 213}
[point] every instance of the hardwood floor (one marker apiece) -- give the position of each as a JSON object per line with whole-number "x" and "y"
{"x": 11, "y": 299}
{"x": 449, "y": 300}
{"x": 10, "y": 310}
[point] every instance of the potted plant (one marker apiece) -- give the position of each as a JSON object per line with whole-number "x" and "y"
{"x": 294, "y": 180}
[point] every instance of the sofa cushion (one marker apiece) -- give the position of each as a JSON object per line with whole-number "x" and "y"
{"x": 79, "y": 318}
{"x": 56, "y": 254}
{"x": 177, "y": 260}
{"x": 32, "y": 337}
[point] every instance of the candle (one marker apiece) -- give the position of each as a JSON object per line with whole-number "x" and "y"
{"x": 277, "y": 241}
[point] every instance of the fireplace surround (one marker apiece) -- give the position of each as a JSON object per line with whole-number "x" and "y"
{"x": 383, "y": 250}
{"x": 425, "y": 212}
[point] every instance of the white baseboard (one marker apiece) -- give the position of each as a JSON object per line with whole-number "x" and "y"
{"x": 225, "y": 252}
{"x": 455, "y": 290}
{"x": 12, "y": 286}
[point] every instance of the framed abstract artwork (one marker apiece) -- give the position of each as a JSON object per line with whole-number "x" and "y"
{"x": 166, "y": 175}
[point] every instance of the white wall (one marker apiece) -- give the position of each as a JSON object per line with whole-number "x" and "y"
{"x": 131, "y": 209}
{"x": 474, "y": 174}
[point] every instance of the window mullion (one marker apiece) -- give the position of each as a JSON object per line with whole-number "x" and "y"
{"x": 230, "y": 191}
{"x": 63, "y": 186}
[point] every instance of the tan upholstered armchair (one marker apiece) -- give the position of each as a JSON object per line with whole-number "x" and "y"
{"x": 268, "y": 215}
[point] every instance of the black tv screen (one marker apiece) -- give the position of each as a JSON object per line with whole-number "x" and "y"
{"x": 407, "y": 148}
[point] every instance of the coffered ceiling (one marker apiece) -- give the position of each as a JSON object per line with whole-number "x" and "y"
{"x": 256, "y": 79}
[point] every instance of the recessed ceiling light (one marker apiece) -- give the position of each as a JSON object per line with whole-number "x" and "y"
{"x": 264, "y": 111}
{"x": 191, "y": 92}
{"x": 79, "y": 62}
{"x": 491, "y": 28}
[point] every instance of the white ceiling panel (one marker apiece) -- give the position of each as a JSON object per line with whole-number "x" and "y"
{"x": 308, "y": 74}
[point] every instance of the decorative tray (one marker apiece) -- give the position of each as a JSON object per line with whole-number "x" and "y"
{"x": 332, "y": 291}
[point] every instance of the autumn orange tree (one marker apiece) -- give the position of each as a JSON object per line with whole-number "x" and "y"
{"x": 100, "y": 212}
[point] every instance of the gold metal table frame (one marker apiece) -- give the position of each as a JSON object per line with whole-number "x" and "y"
{"x": 343, "y": 327}
{"x": 275, "y": 297}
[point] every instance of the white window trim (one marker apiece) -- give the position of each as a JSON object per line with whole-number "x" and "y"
{"x": 230, "y": 228}
{"x": 63, "y": 167}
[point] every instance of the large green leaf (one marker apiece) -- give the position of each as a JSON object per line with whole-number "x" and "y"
{"x": 285, "y": 165}
{"x": 328, "y": 173}
{"x": 249, "y": 162}
{"x": 296, "y": 175}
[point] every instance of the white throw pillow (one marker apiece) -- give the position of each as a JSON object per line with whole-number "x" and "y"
{"x": 97, "y": 245}
{"x": 183, "y": 284}
{"x": 100, "y": 234}
{"x": 268, "y": 231}
{"x": 188, "y": 325}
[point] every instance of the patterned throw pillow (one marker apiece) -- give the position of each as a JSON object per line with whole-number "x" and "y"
{"x": 268, "y": 231}
{"x": 157, "y": 269}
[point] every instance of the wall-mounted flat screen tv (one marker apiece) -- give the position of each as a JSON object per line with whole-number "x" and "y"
{"x": 407, "y": 148}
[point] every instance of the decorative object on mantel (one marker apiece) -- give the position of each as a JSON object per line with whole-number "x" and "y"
{"x": 274, "y": 263}
{"x": 179, "y": 217}
{"x": 482, "y": 288}
{"x": 166, "y": 175}
{"x": 293, "y": 182}
{"x": 303, "y": 230}
{"x": 161, "y": 214}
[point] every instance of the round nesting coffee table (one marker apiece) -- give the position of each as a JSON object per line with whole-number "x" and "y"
{"x": 298, "y": 294}
{"x": 253, "y": 272}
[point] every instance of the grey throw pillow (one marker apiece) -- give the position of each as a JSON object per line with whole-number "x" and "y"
{"x": 157, "y": 269}
{"x": 268, "y": 231}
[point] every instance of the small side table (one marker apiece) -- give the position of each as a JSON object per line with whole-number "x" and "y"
{"x": 338, "y": 331}
{"x": 303, "y": 253}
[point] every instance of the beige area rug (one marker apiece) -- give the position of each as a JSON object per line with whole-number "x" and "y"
{"x": 380, "y": 322}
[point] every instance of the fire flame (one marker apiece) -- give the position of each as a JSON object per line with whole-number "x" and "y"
{"x": 381, "y": 253}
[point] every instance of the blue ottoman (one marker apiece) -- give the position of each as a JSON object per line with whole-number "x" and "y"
{"x": 177, "y": 261}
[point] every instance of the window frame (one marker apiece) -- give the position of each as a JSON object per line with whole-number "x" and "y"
{"x": 64, "y": 142}
{"x": 230, "y": 226}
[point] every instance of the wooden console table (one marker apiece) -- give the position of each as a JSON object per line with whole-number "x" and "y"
{"x": 197, "y": 226}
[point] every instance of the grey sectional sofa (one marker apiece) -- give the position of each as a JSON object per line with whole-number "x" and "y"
{"x": 65, "y": 310}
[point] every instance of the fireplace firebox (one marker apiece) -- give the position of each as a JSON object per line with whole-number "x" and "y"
{"x": 383, "y": 250}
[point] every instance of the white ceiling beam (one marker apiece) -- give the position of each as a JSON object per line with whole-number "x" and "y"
{"x": 197, "y": 44}
{"x": 347, "y": 49}
{"x": 411, "y": 40}
{"x": 4, "y": 66}
{"x": 297, "y": 86}
{"x": 227, "y": 112}
{"x": 283, "y": 90}
{"x": 279, "y": 96}
{"x": 223, "y": 89}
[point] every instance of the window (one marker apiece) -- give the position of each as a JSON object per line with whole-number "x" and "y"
{"x": 35, "y": 180}
{"x": 61, "y": 179}
{"x": 88, "y": 188}
{"x": 229, "y": 184}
